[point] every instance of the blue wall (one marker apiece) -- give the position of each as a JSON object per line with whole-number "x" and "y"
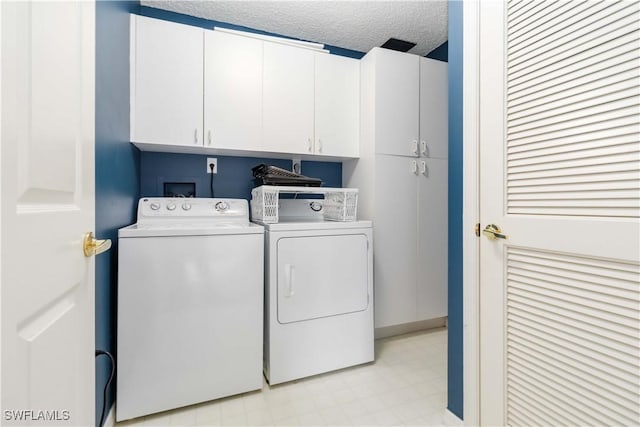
{"x": 117, "y": 171}
{"x": 234, "y": 177}
{"x": 455, "y": 342}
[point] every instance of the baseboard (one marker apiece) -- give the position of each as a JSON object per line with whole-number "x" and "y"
{"x": 110, "y": 421}
{"x": 451, "y": 419}
{"x": 406, "y": 328}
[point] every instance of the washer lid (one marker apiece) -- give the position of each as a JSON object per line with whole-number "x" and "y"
{"x": 187, "y": 229}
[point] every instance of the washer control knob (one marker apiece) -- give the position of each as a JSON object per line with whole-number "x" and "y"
{"x": 186, "y": 206}
{"x": 154, "y": 206}
{"x": 171, "y": 206}
{"x": 222, "y": 206}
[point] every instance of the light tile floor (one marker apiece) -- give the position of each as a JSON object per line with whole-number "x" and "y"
{"x": 405, "y": 386}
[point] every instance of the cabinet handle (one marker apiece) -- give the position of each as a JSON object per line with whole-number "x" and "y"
{"x": 195, "y": 136}
{"x": 319, "y": 146}
{"x": 423, "y": 168}
{"x": 310, "y": 147}
{"x": 414, "y": 147}
{"x": 209, "y": 137}
{"x": 424, "y": 149}
{"x": 414, "y": 167}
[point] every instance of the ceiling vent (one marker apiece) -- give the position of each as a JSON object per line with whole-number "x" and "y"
{"x": 399, "y": 45}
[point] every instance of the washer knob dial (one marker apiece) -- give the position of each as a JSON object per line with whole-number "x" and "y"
{"x": 154, "y": 206}
{"x": 222, "y": 206}
{"x": 171, "y": 206}
{"x": 186, "y": 206}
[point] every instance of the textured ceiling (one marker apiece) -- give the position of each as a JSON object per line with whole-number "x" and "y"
{"x": 357, "y": 25}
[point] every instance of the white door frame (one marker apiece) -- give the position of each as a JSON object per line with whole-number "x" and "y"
{"x": 471, "y": 212}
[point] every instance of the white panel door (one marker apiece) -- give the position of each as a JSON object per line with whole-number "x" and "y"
{"x": 47, "y": 205}
{"x": 432, "y": 280}
{"x": 337, "y": 105}
{"x": 397, "y": 102}
{"x": 321, "y": 276}
{"x": 288, "y": 99}
{"x": 560, "y": 174}
{"x": 166, "y": 82}
{"x": 232, "y": 91}
{"x": 434, "y": 109}
{"x": 395, "y": 239}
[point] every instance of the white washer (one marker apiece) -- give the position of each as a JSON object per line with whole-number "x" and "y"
{"x": 190, "y": 304}
{"x": 318, "y": 293}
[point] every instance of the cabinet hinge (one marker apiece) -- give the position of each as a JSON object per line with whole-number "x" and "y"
{"x": 478, "y": 229}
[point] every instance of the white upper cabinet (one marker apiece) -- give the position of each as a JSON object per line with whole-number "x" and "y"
{"x": 337, "y": 105}
{"x": 397, "y": 102}
{"x": 288, "y": 99}
{"x": 213, "y": 92}
{"x": 166, "y": 82}
{"x": 232, "y": 91}
{"x": 434, "y": 125}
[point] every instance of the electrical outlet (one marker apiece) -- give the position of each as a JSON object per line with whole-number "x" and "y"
{"x": 212, "y": 161}
{"x": 296, "y": 166}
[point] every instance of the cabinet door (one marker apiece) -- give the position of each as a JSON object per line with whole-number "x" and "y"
{"x": 395, "y": 241}
{"x": 288, "y": 99}
{"x": 434, "y": 125}
{"x": 432, "y": 239}
{"x": 232, "y": 91}
{"x": 166, "y": 82}
{"x": 397, "y": 94}
{"x": 337, "y": 105}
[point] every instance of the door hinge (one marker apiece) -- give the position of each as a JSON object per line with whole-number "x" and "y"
{"x": 478, "y": 229}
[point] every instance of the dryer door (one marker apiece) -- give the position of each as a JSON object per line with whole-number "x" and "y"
{"x": 321, "y": 276}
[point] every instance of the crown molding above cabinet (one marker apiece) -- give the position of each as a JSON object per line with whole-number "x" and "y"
{"x": 210, "y": 92}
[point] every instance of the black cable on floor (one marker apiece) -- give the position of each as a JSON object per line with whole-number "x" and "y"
{"x": 113, "y": 371}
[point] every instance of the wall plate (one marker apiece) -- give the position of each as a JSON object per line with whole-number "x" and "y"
{"x": 212, "y": 161}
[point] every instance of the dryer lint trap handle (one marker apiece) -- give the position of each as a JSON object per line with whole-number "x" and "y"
{"x": 290, "y": 275}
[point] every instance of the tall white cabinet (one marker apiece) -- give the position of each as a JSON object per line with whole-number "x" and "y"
{"x": 402, "y": 177}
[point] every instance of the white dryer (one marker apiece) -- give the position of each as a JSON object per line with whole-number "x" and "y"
{"x": 318, "y": 293}
{"x": 190, "y": 302}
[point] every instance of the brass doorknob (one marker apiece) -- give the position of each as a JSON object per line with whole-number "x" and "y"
{"x": 493, "y": 232}
{"x": 91, "y": 246}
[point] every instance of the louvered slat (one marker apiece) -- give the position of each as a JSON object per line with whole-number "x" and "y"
{"x": 597, "y": 138}
{"x": 584, "y": 149}
{"x": 558, "y": 48}
{"x": 573, "y": 109}
{"x": 620, "y": 68}
{"x": 621, "y": 385}
{"x": 577, "y": 320}
{"x": 580, "y": 95}
{"x": 529, "y": 31}
{"x": 573, "y": 339}
{"x": 580, "y": 99}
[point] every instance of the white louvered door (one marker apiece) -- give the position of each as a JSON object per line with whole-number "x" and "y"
{"x": 560, "y": 174}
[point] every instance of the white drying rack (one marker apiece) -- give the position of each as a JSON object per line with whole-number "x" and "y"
{"x": 340, "y": 204}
